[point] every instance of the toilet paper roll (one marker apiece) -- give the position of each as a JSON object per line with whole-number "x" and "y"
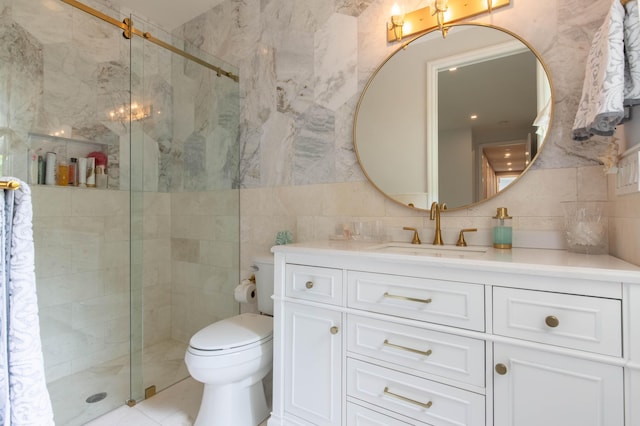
{"x": 245, "y": 292}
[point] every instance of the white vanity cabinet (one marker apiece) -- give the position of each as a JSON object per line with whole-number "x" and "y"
{"x": 365, "y": 338}
{"x": 313, "y": 354}
{"x": 313, "y": 345}
{"x": 631, "y": 314}
{"x": 534, "y": 387}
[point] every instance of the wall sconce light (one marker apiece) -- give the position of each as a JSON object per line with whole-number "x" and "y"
{"x": 134, "y": 112}
{"x": 397, "y": 21}
{"x": 440, "y": 13}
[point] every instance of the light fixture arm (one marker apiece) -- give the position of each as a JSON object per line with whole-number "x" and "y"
{"x": 439, "y": 13}
{"x": 396, "y": 24}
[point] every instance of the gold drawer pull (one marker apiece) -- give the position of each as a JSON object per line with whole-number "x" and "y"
{"x": 501, "y": 369}
{"x": 411, "y": 299}
{"x": 552, "y": 321}
{"x": 404, "y": 348}
{"x": 404, "y": 398}
{"x": 334, "y": 330}
{"x": 309, "y": 284}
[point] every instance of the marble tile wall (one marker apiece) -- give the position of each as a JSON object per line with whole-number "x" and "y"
{"x": 82, "y": 272}
{"x": 624, "y": 225}
{"x": 205, "y": 259}
{"x": 190, "y": 262}
{"x": 303, "y": 66}
{"x": 62, "y": 68}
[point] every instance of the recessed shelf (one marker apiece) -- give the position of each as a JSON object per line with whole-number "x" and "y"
{"x": 63, "y": 139}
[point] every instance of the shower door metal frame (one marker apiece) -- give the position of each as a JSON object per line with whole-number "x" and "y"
{"x": 129, "y": 30}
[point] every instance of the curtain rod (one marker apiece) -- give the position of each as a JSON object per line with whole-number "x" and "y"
{"x": 129, "y": 30}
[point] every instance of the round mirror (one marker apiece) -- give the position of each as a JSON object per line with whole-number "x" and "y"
{"x": 455, "y": 119}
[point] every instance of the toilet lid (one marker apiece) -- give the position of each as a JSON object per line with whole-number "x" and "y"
{"x": 233, "y": 332}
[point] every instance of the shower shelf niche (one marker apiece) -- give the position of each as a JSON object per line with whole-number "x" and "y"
{"x": 67, "y": 148}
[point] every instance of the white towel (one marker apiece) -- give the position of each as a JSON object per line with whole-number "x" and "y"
{"x": 24, "y": 399}
{"x": 612, "y": 79}
{"x": 632, "y": 55}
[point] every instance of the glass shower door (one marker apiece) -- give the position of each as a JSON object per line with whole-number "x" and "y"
{"x": 65, "y": 72}
{"x": 185, "y": 203}
{"x": 127, "y": 273}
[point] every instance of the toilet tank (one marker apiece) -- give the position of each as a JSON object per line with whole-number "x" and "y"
{"x": 264, "y": 283}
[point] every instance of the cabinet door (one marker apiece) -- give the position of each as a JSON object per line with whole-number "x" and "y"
{"x": 534, "y": 388}
{"x": 313, "y": 364}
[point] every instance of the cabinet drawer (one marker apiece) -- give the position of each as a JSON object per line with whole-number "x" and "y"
{"x": 360, "y": 416}
{"x": 312, "y": 283}
{"x": 438, "y": 301}
{"x": 414, "y": 397}
{"x": 579, "y": 322}
{"x": 442, "y": 354}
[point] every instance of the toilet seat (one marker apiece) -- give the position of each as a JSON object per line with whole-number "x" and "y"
{"x": 238, "y": 333}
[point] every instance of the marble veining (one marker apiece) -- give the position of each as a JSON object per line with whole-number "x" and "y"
{"x": 88, "y": 61}
{"x": 335, "y": 46}
{"x": 308, "y": 55}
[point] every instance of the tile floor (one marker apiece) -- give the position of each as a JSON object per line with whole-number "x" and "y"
{"x": 163, "y": 366}
{"x": 175, "y": 406}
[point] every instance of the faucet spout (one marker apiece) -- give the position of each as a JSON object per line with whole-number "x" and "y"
{"x": 435, "y": 215}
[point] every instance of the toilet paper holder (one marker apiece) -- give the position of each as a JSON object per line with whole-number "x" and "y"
{"x": 245, "y": 292}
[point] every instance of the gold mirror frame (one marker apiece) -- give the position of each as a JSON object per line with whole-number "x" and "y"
{"x": 407, "y": 44}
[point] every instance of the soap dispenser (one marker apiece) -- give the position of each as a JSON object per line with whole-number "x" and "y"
{"x": 502, "y": 233}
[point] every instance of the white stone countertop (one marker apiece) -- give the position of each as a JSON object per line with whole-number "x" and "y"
{"x": 480, "y": 258}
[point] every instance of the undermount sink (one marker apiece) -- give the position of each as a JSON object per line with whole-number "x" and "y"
{"x": 430, "y": 250}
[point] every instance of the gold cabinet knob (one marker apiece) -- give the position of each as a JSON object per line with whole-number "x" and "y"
{"x": 501, "y": 369}
{"x": 552, "y": 321}
{"x": 309, "y": 284}
{"x": 334, "y": 330}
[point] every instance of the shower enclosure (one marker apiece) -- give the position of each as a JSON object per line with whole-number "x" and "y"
{"x": 128, "y": 272}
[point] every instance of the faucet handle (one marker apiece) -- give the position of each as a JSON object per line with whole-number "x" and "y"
{"x": 461, "y": 242}
{"x": 416, "y": 237}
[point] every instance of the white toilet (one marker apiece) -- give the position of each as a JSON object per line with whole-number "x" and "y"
{"x": 232, "y": 356}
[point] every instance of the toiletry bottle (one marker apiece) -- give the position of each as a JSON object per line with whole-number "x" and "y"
{"x": 101, "y": 177}
{"x": 33, "y": 167}
{"x": 73, "y": 167}
{"x": 91, "y": 172}
{"x": 63, "y": 173}
{"x": 502, "y": 230}
{"x": 41, "y": 170}
{"x": 82, "y": 172}
{"x": 50, "y": 169}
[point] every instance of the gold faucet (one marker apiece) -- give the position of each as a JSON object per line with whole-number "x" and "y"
{"x": 435, "y": 215}
{"x": 416, "y": 237}
{"x": 461, "y": 241}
